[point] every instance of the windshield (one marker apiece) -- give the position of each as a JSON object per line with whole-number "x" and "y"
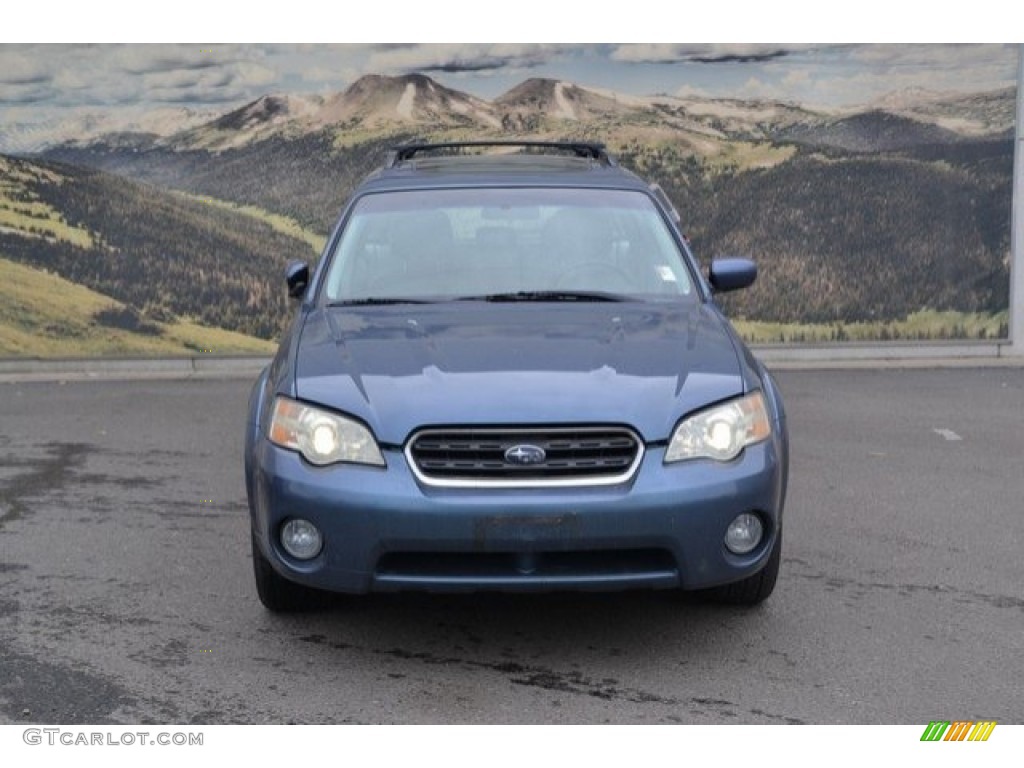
{"x": 530, "y": 244}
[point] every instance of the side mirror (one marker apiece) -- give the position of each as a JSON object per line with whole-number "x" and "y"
{"x": 297, "y": 276}
{"x": 731, "y": 274}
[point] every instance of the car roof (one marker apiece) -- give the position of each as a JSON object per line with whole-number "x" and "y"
{"x": 556, "y": 164}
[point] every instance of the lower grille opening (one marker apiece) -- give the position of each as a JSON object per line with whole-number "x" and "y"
{"x": 596, "y": 563}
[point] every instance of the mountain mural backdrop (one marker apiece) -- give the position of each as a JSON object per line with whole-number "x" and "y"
{"x": 170, "y": 235}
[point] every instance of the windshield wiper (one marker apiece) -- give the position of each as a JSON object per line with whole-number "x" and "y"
{"x": 377, "y": 300}
{"x": 546, "y": 296}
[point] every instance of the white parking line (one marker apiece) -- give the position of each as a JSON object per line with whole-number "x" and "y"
{"x": 948, "y": 434}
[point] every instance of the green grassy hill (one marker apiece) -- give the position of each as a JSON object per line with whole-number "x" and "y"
{"x": 44, "y": 315}
{"x": 165, "y": 261}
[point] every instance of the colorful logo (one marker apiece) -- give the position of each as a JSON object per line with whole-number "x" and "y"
{"x": 958, "y": 730}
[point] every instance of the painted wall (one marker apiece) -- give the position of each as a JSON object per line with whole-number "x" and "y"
{"x": 150, "y": 195}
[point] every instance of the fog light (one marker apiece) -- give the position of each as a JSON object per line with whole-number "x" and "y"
{"x": 744, "y": 534}
{"x": 301, "y": 539}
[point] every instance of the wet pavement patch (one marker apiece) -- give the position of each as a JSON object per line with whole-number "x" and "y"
{"x": 173, "y": 653}
{"x": 54, "y": 694}
{"x": 43, "y": 474}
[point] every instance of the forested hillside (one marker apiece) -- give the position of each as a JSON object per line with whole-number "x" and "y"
{"x": 872, "y": 216}
{"x": 838, "y": 235}
{"x": 857, "y": 237}
{"x": 306, "y": 178}
{"x": 160, "y": 254}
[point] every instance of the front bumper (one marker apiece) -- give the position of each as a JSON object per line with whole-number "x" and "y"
{"x": 385, "y": 531}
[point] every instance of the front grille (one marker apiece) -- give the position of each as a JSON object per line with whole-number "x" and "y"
{"x": 480, "y": 457}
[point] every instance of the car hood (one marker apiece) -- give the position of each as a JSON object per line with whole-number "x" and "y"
{"x": 399, "y": 368}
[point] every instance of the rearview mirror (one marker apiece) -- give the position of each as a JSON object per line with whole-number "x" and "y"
{"x": 297, "y": 276}
{"x": 731, "y": 274}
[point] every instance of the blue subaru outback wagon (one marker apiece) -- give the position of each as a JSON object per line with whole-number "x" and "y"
{"x": 507, "y": 372}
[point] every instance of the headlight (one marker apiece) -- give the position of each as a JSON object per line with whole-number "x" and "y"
{"x": 722, "y": 431}
{"x": 322, "y": 437}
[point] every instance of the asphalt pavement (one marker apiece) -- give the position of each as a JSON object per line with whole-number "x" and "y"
{"x": 126, "y": 593}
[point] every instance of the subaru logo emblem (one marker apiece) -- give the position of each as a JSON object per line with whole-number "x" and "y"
{"x": 524, "y": 455}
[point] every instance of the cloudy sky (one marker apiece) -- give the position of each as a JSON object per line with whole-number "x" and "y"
{"x": 38, "y": 82}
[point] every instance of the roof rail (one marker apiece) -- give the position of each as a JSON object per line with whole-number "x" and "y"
{"x": 586, "y": 149}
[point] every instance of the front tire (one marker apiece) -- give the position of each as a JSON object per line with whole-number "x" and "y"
{"x": 278, "y": 594}
{"x": 754, "y": 589}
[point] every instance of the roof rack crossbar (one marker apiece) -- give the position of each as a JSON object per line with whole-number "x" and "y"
{"x": 586, "y": 149}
